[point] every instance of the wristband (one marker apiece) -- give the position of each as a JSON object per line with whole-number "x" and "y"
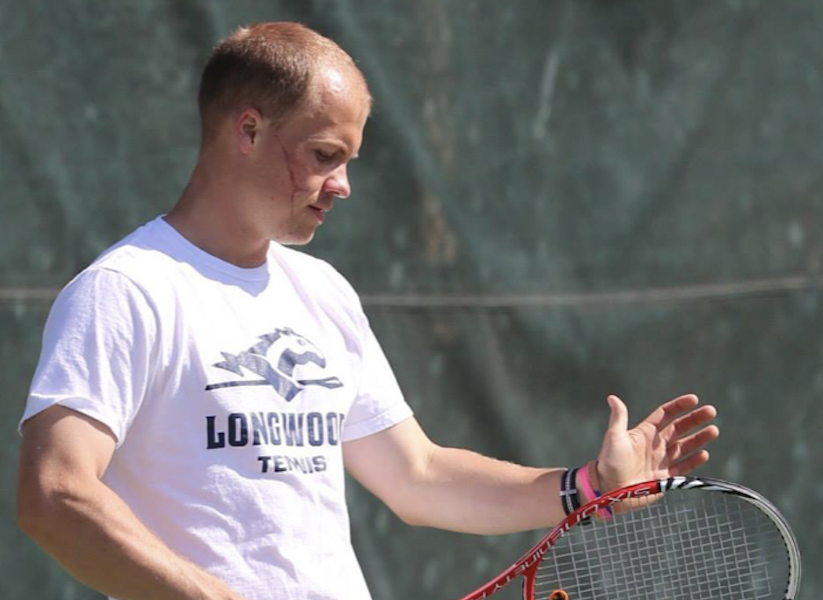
{"x": 568, "y": 491}
{"x": 588, "y": 492}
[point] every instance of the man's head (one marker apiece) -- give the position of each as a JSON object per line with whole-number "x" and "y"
{"x": 283, "y": 110}
{"x": 269, "y": 67}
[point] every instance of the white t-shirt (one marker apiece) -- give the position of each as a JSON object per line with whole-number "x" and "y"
{"x": 230, "y": 392}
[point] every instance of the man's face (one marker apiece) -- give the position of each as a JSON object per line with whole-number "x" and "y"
{"x": 299, "y": 168}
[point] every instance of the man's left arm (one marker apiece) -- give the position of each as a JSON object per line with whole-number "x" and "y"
{"x": 449, "y": 488}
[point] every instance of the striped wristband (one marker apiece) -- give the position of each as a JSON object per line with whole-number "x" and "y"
{"x": 568, "y": 491}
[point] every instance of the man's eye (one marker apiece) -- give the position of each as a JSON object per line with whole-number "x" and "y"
{"x": 324, "y": 157}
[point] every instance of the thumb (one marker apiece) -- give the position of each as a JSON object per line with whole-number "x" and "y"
{"x": 619, "y": 418}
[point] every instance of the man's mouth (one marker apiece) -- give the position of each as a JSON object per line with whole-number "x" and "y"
{"x": 319, "y": 212}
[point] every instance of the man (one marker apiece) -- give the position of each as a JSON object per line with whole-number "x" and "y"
{"x": 202, "y": 387}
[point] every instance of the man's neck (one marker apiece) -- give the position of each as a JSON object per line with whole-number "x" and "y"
{"x": 205, "y": 218}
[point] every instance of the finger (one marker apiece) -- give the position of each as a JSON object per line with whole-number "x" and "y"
{"x": 619, "y": 417}
{"x": 689, "y": 463}
{"x": 689, "y": 445}
{"x": 696, "y": 419}
{"x": 666, "y": 413}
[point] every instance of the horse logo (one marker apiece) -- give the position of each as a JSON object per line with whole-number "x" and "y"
{"x": 293, "y": 352}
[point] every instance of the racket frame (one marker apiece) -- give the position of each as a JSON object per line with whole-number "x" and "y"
{"x": 528, "y": 564}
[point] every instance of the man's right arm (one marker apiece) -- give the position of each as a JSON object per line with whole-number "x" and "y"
{"x": 65, "y": 507}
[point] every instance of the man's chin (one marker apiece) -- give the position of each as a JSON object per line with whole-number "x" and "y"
{"x": 294, "y": 238}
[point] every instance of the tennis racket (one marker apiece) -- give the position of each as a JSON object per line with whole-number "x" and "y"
{"x": 682, "y": 538}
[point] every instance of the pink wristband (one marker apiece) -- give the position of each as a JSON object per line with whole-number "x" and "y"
{"x": 589, "y": 493}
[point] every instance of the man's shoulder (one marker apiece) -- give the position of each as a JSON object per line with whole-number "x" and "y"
{"x": 311, "y": 269}
{"x": 143, "y": 250}
{"x": 296, "y": 258}
{"x": 144, "y": 257}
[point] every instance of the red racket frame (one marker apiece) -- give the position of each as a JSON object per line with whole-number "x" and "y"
{"x": 528, "y": 564}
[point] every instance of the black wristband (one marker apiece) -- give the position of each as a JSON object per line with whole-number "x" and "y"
{"x": 568, "y": 491}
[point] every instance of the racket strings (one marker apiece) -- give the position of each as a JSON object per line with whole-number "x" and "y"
{"x": 675, "y": 547}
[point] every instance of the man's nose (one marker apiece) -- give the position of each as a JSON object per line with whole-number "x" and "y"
{"x": 338, "y": 183}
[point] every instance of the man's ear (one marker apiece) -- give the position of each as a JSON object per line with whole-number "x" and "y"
{"x": 247, "y": 128}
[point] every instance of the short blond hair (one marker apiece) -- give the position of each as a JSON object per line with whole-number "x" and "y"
{"x": 266, "y": 66}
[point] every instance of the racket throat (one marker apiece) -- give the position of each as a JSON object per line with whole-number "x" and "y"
{"x": 529, "y": 577}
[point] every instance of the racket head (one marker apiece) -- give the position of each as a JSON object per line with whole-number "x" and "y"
{"x": 671, "y": 539}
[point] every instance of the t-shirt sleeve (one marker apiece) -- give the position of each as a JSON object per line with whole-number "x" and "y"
{"x": 96, "y": 351}
{"x": 380, "y": 402}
